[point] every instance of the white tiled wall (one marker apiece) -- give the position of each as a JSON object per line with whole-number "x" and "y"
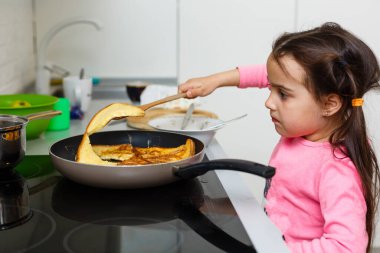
{"x": 16, "y": 45}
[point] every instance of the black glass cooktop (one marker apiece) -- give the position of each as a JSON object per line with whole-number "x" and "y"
{"x": 186, "y": 216}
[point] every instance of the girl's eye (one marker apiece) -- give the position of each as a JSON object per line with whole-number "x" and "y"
{"x": 282, "y": 94}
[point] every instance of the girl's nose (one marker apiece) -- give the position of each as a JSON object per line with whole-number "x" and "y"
{"x": 269, "y": 102}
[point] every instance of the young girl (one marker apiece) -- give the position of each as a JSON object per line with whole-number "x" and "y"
{"x": 324, "y": 195}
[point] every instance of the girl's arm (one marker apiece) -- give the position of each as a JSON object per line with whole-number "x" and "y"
{"x": 242, "y": 77}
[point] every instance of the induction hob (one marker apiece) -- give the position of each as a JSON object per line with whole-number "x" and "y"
{"x": 186, "y": 216}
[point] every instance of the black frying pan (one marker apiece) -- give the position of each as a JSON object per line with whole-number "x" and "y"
{"x": 63, "y": 156}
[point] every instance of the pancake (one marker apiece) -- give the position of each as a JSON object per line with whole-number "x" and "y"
{"x": 126, "y": 154}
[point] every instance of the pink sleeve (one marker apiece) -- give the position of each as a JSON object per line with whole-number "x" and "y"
{"x": 253, "y": 76}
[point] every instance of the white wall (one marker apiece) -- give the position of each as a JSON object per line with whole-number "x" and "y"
{"x": 16, "y": 45}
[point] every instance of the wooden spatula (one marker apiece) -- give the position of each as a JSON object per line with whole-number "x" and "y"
{"x": 161, "y": 101}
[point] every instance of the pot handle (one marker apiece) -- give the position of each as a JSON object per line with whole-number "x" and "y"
{"x": 43, "y": 115}
{"x": 194, "y": 170}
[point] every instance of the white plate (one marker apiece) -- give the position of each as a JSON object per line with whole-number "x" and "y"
{"x": 174, "y": 123}
{"x": 194, "y": 128}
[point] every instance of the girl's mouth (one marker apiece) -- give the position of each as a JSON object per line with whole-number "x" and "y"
{"x": 274, "y": 120}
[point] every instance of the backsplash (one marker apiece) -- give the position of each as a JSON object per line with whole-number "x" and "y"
{"x": 17, "y": 57}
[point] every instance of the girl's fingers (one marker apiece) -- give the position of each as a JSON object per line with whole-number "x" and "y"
{"x": 193, "y": 88}
{"x": 189, "y": 94}
{"x": 184, "y": 87}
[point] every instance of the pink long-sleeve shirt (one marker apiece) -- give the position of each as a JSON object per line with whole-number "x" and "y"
{"x": 316, "y": 197}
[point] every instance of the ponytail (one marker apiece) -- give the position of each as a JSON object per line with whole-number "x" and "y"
{"x": 353, "y": 136}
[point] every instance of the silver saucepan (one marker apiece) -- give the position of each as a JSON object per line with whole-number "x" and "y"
{"x": 13, "y": 137}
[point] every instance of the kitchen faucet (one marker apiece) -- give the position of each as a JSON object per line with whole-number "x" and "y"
{"x": 43, "y": 73}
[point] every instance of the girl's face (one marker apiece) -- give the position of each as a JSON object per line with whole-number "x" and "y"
{"x": 293, "y": 109}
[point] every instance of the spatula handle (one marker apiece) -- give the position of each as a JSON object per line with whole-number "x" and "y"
{"x": 163, "y": 100}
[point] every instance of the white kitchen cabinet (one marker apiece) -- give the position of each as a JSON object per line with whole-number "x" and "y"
{"x": 359, "y": 17}
{"x": 217, "y": 35}
{"x": 138, "y": 38}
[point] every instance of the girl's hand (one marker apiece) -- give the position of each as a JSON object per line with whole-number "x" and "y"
{"x": 195, "y": 87}
{"x": 203, "y": 86}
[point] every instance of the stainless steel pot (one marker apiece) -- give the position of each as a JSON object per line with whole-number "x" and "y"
{"x": 14, "y": 200}
{"x": 13, "y": 137}
{"x": 14, "y": 194}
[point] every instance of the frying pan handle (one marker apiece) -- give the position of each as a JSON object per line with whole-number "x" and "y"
{"x": 197, "y": 221}
{"x": 194, "y": 170}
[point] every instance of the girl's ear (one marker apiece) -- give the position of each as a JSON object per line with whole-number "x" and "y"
{"x": 331, "y": 104}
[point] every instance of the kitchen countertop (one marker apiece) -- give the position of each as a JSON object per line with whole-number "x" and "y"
{"x": 263, "y": 234}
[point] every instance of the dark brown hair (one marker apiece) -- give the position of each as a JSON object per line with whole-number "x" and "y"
{"x": 336, "y": 61}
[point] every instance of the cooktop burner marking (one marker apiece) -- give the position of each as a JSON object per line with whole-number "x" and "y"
{"x": 36, "y": 170}
{"x": 164, "y": 238}
{"x": 23, "y": 228}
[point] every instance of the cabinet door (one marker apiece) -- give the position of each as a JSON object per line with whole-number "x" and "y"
{"x": 138, "y": 38}
{"x": 218, "y": 34}
{"x": 359, "y": 17}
